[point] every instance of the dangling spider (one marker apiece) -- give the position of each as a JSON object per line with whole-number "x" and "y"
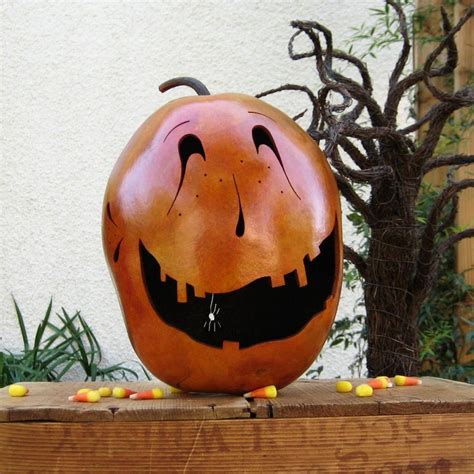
{"x": 212, "y": 316}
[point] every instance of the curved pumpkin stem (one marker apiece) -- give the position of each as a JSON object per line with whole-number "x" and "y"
{"x": 198, "y": 86}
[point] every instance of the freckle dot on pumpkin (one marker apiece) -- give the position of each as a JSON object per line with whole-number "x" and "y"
{"x": 205, "y": 174}
{"x": 220, "y": 180}
{"x": 281, "y": 192}
{"x": 197, "y": 195}
{"x": 179, "y": 214}
{"x": 241, "y": 161}
{"x": 259, "y": 181}
{"x": 268, "y": 167}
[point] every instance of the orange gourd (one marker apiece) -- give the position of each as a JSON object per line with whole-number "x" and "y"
{"x": 222, "y": 231}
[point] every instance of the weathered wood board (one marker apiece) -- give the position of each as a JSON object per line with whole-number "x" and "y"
{"x": 405, "y": 443}
{"x": 49, "y": 402}
{"x": 304, "y": 398}
{"x": 309, "y": 427}
{"x": 307, "y": 398}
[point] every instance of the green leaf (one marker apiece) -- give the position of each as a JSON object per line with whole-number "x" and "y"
{"x": 40, "y": 331}
{"x": 21, "y": 323}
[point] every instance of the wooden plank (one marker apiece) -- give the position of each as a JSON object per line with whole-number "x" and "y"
{"x": 49, "y": 402}
{"x": 434, "y": 396}
{"x": 465, "y": 216}
{"x": 183, "y": 407}
{"x": 309, "y": 398}
{"x": 399, "y": 443}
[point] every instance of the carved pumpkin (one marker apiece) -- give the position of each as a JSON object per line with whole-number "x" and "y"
{"x": 222, "y": 231}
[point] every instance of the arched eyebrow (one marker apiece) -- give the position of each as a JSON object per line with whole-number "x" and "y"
{"x": 252, "y": 112}
{"x": 174, "y": 128}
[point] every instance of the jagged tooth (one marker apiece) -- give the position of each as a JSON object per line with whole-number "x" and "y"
{"x": 278, "y": 280}
{"x": 182, "y": 295}
{"x": 301, "y": 273}
{"x": 314, "y": 253}
{"x": 162, "y": 275}
{"x": 199, "y": 293}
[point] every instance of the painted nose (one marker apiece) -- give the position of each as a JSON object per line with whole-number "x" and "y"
{"x": 240, "y": 227}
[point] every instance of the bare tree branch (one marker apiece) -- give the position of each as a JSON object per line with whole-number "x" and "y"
{"x": 352, "y": 197}
{"x": 298, "y": 116}
{"x": 450, "y": 32}
{"x": 426, "y": 262}
{"x": 450, "y": 241}
{"x": 444, "y": 112}
{"x": 401, "y": 265}
{"x": 397, "y": 90}
{"x": 367, "y": 175}
{"x": 405, "y": 52}
{"x": 316, "y": 115}
{"x": 357, "y": 260}
{"x": 354, "y": 153}
{"x": 432, "y": 113}
{"x": 453, "y": 160}
{"x": 450, "y": 219}
{"x": 327, "y": 75}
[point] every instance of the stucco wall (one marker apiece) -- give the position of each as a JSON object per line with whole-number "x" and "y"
{"x": 77, "y": 79}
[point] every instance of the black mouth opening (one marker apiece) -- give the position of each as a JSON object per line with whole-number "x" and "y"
{"x": 250, "y": 315}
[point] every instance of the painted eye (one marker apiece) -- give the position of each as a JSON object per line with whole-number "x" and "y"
{"x": 188, "y": 145}
{"x": 261, "y": 136}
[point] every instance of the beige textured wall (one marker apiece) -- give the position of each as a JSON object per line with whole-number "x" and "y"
{"x": 77, "y": 79}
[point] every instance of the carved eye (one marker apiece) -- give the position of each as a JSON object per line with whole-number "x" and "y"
{"x": 188, "y": 145}
{"x": 261, "y": 136}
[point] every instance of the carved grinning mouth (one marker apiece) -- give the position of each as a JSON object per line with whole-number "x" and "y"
{"x": 250, "y": 315}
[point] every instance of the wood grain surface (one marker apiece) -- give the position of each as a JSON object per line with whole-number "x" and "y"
{"x": 309, "y": 427}
{"x": 308, "y": 398}
{"x": 48, "y": 402}
{"x": 388, "y": 444}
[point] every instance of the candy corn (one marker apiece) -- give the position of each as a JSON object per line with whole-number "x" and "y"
{"x": 384, "y": 377}
{"x": 379, "y": 383}
{"x": 265, "y": 392}
{"x": 343, "y": 386}
{"x": 401, "y": 380}
{"x": 105, "y": 391}
{"x": 92, "y": 396}
{"x": 364, "y": 390}
{"x": 148, "y": 394}
{"x": 84, "y": 390}
{"x": 120, "y": 392}
{"x": 16, "y": 390}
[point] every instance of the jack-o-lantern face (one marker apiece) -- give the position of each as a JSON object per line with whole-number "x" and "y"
{"x": 222, "y": 232}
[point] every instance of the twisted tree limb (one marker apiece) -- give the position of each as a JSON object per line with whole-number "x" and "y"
{"x": 357, "y": 260}
{"x": 426, "y": 263}
{"x": 453, "y": 160}
{"x": 347, "y": 121}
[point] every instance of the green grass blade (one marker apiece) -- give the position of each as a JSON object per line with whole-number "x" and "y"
{"x": 65, "y": 369}
{"x": 93, "y": 342}
{"x": 40, "y": 331}
{"x": 3, "y": 370}
{"x": 76, "y": 335}
{"x": 21, "y": 323}
{"x": 147, "y": 375}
